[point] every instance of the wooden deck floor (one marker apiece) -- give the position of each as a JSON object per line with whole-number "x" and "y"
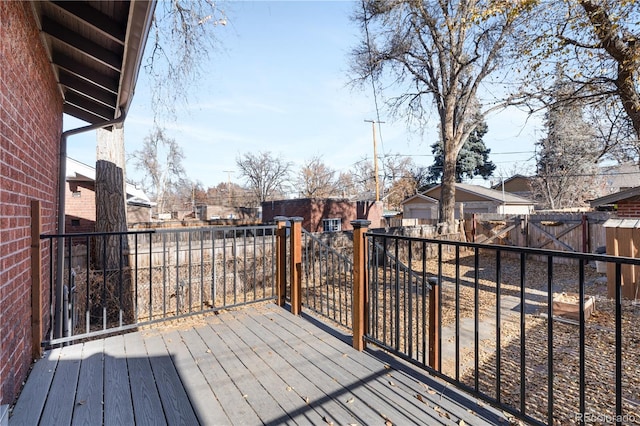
{"x": 258, "y": 365}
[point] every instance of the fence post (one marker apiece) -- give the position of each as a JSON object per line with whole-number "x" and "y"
{"x": 296, "y": 265}
{"x": 281, "y": 259}
{"x": 360, "y": 284}
{"x": 36, "y": 279}
{"x": 434, "y": 323}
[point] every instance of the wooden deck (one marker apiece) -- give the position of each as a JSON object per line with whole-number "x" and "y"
{"x": 258, "y": 365}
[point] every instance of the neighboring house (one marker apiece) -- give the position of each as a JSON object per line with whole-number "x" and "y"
{"x": 613, "y": 179}
{"x": 80, "y": 206}
{"x": 469, "y": 199}
{"x": 519, "y": 185}
{"x": 325, "y": 214}
{"x": 626, "y": 203}
{"x": 78, "y": 58}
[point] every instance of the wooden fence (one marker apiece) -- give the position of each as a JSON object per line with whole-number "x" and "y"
{"x": 575, "y": 232}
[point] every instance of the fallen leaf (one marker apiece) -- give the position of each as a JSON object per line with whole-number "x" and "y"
{"x": 391, "y": 383}
{"x": 245, "y": 396}
{"x": 350, "y": 400}
{"x": 289, "y": 388}
{"x": 82, "y": 402}
{"x": 306, "y": 399}
{"x": 462, "y": 423}
{"x": 327, "y": 421}
{"x": 208, "y": 351}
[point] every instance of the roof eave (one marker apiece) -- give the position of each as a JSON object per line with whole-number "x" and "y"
{"x": 139, "y": 25}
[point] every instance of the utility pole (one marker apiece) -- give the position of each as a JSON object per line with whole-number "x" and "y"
{"x": 228, "y": 172}
{"x": 375, "y": 155}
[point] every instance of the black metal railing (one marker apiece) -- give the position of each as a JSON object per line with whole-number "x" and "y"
{"x": 327, "y": 279}
{"x": 117, "y": 281}
{"x": 493, "y": 335}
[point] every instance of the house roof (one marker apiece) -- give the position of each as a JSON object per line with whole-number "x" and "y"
{"x": 615, "y": 197}
{"x": 433, "y": 194}
{"x": 419, "y": 197}
{"x": 498, "y": 185}
{"x": 95, "y": 49}
{"x": 80, "y": 172}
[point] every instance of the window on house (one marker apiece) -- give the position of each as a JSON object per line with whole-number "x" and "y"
{"x": 75, "y": 222}
{"x": 76, "y": 194}
{"x": 331, "y": 225}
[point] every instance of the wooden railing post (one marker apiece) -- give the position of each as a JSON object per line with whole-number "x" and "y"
{"x": 434, "y": 324}
{"x": 296, "y": 265}
{"x": 36, "y": 280}
{"x": 359, "y": 309}
{"x": 281, "y": 259}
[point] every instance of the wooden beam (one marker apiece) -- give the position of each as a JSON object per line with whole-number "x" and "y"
{"x": 87, "y": 89}
{"x": 296, "y": 265}
{"x": 82, "y": 114}
{"x": 82, "y": 44}
{"x": 359, "y": 309}
{"x": 93, "y": 17}
{"x": 82, "y": 102}
{"x": 499, "y": 234}
{"x": 554, "y": 238}
{"x": 79, "y": 71}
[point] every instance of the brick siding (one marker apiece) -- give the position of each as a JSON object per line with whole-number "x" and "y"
{"x": 80, "y": 207}
{"x": 30, "y": 127}
{"x": 313, "y": 211}
{"x": 629, "y": 208}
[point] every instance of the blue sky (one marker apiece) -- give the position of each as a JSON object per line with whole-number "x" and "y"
{"x": 279, "y": 83}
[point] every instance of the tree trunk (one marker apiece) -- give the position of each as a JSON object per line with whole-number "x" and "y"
{"x": 112, "y": 252}
{"x": 110, "y": 211}
{"x": 448, "y": 190}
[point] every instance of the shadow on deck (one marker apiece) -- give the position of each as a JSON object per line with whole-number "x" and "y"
{"x": 257, "y": 365}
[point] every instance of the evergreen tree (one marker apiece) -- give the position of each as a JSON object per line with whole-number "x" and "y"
{"x": 567, "y": 157}
{"x": 473, "y": 159}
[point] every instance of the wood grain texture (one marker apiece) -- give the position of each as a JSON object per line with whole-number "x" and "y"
{"x": 259, "y": 365}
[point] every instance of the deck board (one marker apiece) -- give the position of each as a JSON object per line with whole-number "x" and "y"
{"x": 89, "y": 396}
{"x": 375, "y": 386}
{"x": 251, "y": 366}
{"x": 371, "y": 388}
{"x": 235, "y": 406}
{"x": 260, "y": 401}
{"x": 175, "y": 401}
{"x": 33, "y": 397}
{"x": 144, "y": 393}
{"x": 205, "y": 404}
{"x": 118, "y": 406}
{"x": 59, "y": 406}
{"x": 284, "y": 362}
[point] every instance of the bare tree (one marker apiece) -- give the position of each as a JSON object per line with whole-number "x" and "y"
{"x": 160, "y": 158}
{"x": 595, "y": 45}
{"x": 437, "y": 52}
{"x": 181, "y": 40}
{"x": 265, "y": 174}
{"x": 364, "y": 178}
{"x": 399, "y": 182}
{"x": 316, "y": 180}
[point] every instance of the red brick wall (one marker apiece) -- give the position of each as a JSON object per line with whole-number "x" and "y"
{"x": 314, "y": 210}
{"x": 30, "y": 127}
{"x": 629, "y": 208}
{"x": 80, "y": 207}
